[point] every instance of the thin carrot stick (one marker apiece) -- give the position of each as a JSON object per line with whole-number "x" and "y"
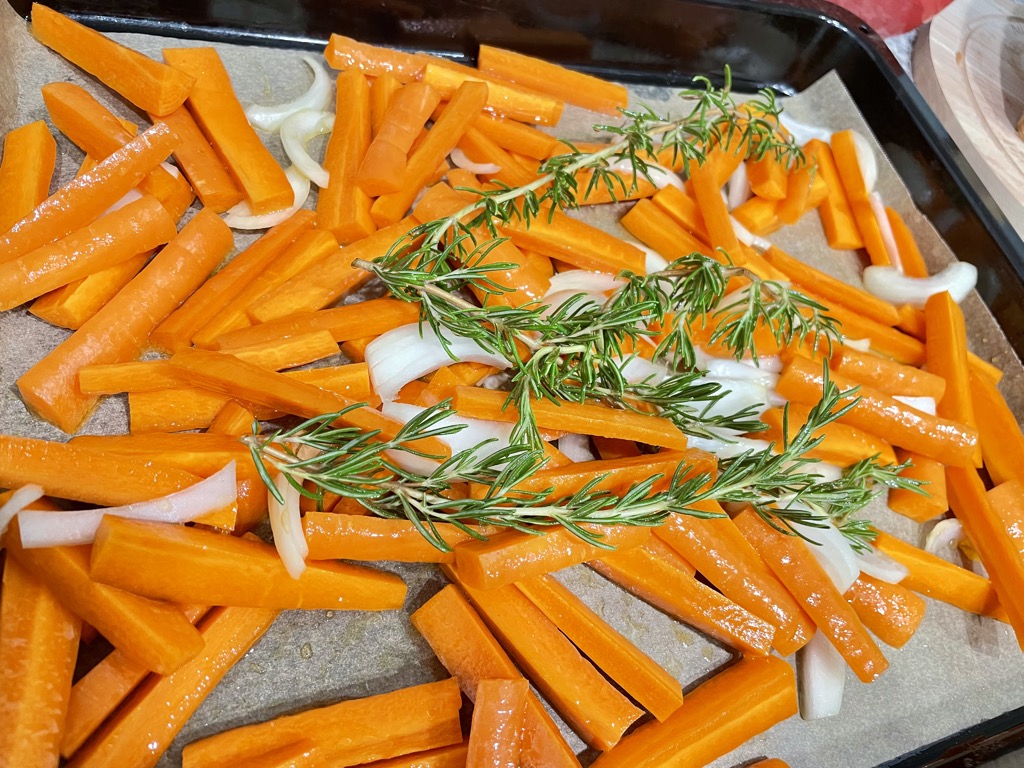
{"x": 382, "y": 91}
{"x": 382, "y": 167}
{"x": 682, "y": 209}
{"x": 516, "y": 137}
{"x": 932, "y": 475}
{"x": 1002, "y": 443}
{"x": 71, "y": 305}
{"x": 84, "y": 199}
{"x": 232, "y": 419}
{"x": 798, "y": 190}
{"x": 655, "y": 228}
{"x": 746, "y": 699}
{"x": 837, "y": 218}
{"x": 442, "y": 757}
{"x": 912, "y": 321}
{"x": 884, "y": 340}
{"x": 38, "y": 644}
{"x": 707, "y": 191}
{"x": 481, "y": 149}
{"x": 886, "y": 375}
{"x": 848, "y": 167}
{"x": 149, "y": 85}
{"x": 911, "y": 259}
{"x": 797, "y": 568}
{"x": 841, "y": 444}
{"x": 29, "y": 157}
{"x": 214, "y": 106}
{"x": 362, "y": 537}
{"x": 892, "y": 612}
{"x": 496, "y": 734}
{"x": 120, "y": 330}
{"x": 526, "y": 106}
{"x": 345, "y": 53}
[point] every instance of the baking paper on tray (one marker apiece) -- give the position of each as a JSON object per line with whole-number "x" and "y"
{"x": 954, "y": 673}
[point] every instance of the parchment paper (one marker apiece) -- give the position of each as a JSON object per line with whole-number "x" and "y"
{"x": 957, "y": 670}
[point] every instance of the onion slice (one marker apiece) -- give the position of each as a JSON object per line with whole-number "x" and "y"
{"x": 822, "y": 678}
{"x": 885, "y": 230}
{"x": 461, "y": 160}
{"x": 18, "y": 500}
{"x": 242, "y": 217}
{"x": 59, "y": 529}
{"x": 835, "y": 554}
{"x": 922, "y": 404}
{"x": 576, "y": 447}
{"x": 944, "y": 538}
{"x": 738, "y": 188}
{"x": 868, "y": 164}
{"x": 879, "y": 565}
{"x": 317, "y": 97}
{"x": 801, "y": 133}
{"x": 584, "y": 281}
{"x": 660, "y": 176}
{"x": 959, "y": 279}
{"x": 286, "y": 525}
{"x": 747, "y": 237}
{"x": 296, "y": 132}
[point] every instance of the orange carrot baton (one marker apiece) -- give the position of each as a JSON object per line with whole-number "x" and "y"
{"x": 30, "y": 154}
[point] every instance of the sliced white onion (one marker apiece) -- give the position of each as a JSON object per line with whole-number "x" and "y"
{"x": 640, "y": 370}
{"x": 804, "y": 132}
{"x": 736, "y": 395}
{"x": 727, "y": 447}
{"x": 826, "y": 473}
{"x": 944, "y": 538}
{"x": 317, "y": 97}
{"x": 885, "y": 229}
{"x": 834, "y": 553}
{"x": 861, "y": 345}
{"x": 880, "y": 566}
{"x": 584, "y": 281}
{"x": 660, "y": 176}
{"x": 867, "y": 161}
{"x": 747, "y": 237}
{"x": 171, "y": 169}
{"x": 653, "y": 261}
{"x": 58, "y": 529}
{"x": 738, "y": 187}
{"x": 129, "y": 197}
{"x": 242, "y": 217}
{"x": 765, "y": 374}
{"x": 576, "y": 447}
{"x": 460, "y": 160}
{"x": 286, "y": 525}
{"x": 822, "y": 678}
{"x": 18, "y": 500}
{"x": 959, "y": 279}
{"x": 923, "y": 404}
{"x": 402, "y": 355}
{"x": 297, "y": 131}
{"x": 555, "y": 300}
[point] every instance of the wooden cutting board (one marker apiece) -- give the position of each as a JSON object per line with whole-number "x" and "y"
{"x": 969, "y": 65}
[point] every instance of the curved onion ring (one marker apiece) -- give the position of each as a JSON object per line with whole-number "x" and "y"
{"x": 882, "y": 567}
{"x": 296, "y": 132}
{"x": 317, "y": 97}
{"x": 583, "y": 281}
{"x": 867, "y": 161}
{"x": 738, "y": 187}
{"x": 660, "y": 176}
{"x": 18, "y": 500}
{"x": 241, "y": 216}
{"x": 286, "y": 525}
{"x": 822, "y": 678}
{"x": 460, "y": 160}
{"x": 885, "y": 230}
{"x": 887, "y": 283}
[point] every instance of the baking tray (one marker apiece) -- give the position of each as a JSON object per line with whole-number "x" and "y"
{"x": 666, "y": 42}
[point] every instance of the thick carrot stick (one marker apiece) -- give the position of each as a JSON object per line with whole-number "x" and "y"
{"x": 658, "y": 575}
{"x": 481, "y": 149}
{"x": 200, "y": 164}
{"x": 233, "y": 419}
{"x": 797, "y": 568}
{"x": 892, "y": 612}
{"x": 912, "y": 321}
{"x": 345, "y": 53}
{"x": 467, "y": 649}
{"x": 582, "y": 418}
{"x": 768, "y": 177}
{"x": 214, "y": 106}
{"x": 841, "y": 445}
{"x": 343, "y": 207}
{"x": 1002, "y": 444}
{"x": 878, "y": 414}
{"x": 200, "y": 454}
{"x": 708, "y": 192}
{"x": 746, "y": 699}
{"x": 886, "y": 375}
{"x": 149, "y": 85}
{"x": 120, "y": 331}
{"x": 382, "y": 91}
{"x": 932, "y": 475}
{"x": 911, "y": 259}
{"x": 832, "y": 290}
{"x": 71, "y": 305}
{"x": 848, "y": 168}
{"x": 347, "y": 733}
{"x": 990, "y": 537}
{"x": 155, "y": 635}
{"x": 798, "y": 191}
{"x": 683, "y": 209}
{"x": 515, "y": 555}
{"x": 465, "y": 105}
{"x": 362, "y": 537}
{"x": 321, "y": 284}
{"x": 526, "y": 106}
{"x": 587, "y": 702}
{"x": 759, "y": 215}
{"x": 190, "y": 565}
{"x": 625, "y": 664}
{"x": 946, "y": 347}
{"x": 837, "y": 218}
{"x": 496, "y": 734}
{"x": 29, "y": 157}
{"x": 38, "y": 645}
{"x": 120, "y": 235}
{"x": 382, "y": 167}
{"x": 140, "y": 732}
{"x": 516, "y": 137}
{"x": 719, "y": 552}
{"x": 652, "y": 226}
{"x": 1005, "y": 500}
{"x": 221, "y": 289}
{"x": 86, "y": 198}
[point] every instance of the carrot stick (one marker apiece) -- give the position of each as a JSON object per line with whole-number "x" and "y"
{"x": 652, "y": 226}
{"x": 837, "y": 218}
{"x": 911, "y": 259}
{"x": 96, "y": 695}
{"x": 582, "y": 418}
{"x": 657, "y": 575}
{"x": 625, "y": 664}
{"x": 576, "y": 88}
{"x": 720, "y": 553}
{"x": 149, "y": 85}
{"x": 347, "y": 733}
{"x": 682, "y": 209}
{"x": 155, "y": 635}
{"x": 768, "y": 177}
{"x": 464, "y": 106}
{"x": 470, "y": 653}
{"x": 38, "y": 644}
{"x": 114, "y": 238}
{"x": 796, "y": 567}
{"x": 140, "y": 732}
{"x": 362, "y": 537}
{"x": 189, "y": 565}
{"x": 885, "y": 341}
{"x": 1005, "y": 500}
{"x": 382, "y": 167}
{"x": 496, "y": 734}
{"x": 382, "y": 92}
{"x": 481, "y": 149}
{"x": 759, "y": 215}
{"x": 200, "y": 164}
{"x": 84, "y": 199}
{"x": 526, "y": 106}
{"x": 589, "y": 704}
{"x": 516, "y": 137}
{"x": 120, "y": 330}
{"x": 841, "y": 445}
{"x": 932, "y": 474}
{"x": 990, "y": 537}
{"x": 309, "y": 248}
{"x": 29, "y": 157}
{"x": 798, "y": 190}
{"x": 1002, "y": 443}
{"x": 946, "y": 347}
{"x": 707, "y": 191}
{"x": 746, "y": 699}
{"x": 200, "y": 454}
{"x": 345, "y": 53}
{"x": 515, "y": 555}
{"x": 232, "y": 419}
{"x": 221, "y": 289}
{"x": 832, "y": 290}
{"x": 886, "y": 375}
{"x": 321, "y": 284}
{"x": 892, "y": 612}
{"x": 442, "y": 757}
{"x": 71, "y": 305}
{"x": 940, "y": 439}
{"x": 216, "y": 110}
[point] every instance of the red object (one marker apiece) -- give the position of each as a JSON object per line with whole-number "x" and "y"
{"x": 893, "y": 17}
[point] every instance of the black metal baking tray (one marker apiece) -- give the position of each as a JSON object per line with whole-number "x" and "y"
{"x": 784, "y": 46}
